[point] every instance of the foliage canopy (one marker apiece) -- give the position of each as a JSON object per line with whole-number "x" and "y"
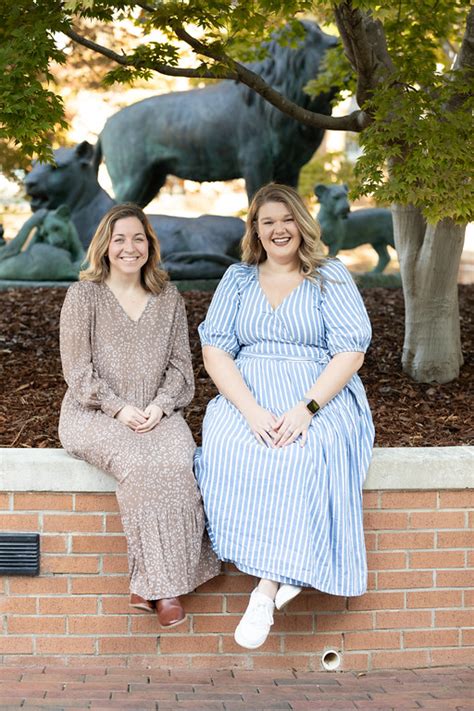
{"x": 410, "y": 65}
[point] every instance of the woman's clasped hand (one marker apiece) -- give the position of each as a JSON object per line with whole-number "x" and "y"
{"x": 262, "y": 423}
{"x": 274, "y": 431}
{"x": 291, "y": 425}
{"x": 140, "y": 420}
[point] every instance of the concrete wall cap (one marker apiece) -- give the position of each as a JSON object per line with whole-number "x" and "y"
{"x": 400, "y": 468}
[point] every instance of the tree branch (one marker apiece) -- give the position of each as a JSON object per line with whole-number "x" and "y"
{"x": 365, "y": 47}
{"x": 146, "y": 7}
{"x": 128, "y": 61}
{"x": 465, "y": 58}
{"x": 356, "y": 121}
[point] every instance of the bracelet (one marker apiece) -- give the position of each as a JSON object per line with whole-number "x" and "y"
{"x": 311, "y": 405}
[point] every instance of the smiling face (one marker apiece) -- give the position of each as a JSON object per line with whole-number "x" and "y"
{"x": 128, "y": 247}
{"x": 278, "y": 232}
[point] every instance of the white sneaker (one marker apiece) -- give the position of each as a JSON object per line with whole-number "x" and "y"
{"x": 253, "y": 628}
{"x": 285, "y": 594}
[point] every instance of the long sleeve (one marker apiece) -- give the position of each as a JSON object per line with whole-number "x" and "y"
{"x": 76, "y": 324}
{"x": 177, "y": 387}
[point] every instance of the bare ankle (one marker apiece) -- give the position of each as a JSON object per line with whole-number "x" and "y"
{"x": 268, "y": 588}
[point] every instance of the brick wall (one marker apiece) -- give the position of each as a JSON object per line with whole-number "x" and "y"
{"x": 419, "y": 610}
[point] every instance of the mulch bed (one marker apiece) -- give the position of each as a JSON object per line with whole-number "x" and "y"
{"x": 406, "y": 414}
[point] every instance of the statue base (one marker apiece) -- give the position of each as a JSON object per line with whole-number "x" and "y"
{"x": 31, "y": 284}
{"x": 184, "y": 285}
{"x": 386, "y": 281}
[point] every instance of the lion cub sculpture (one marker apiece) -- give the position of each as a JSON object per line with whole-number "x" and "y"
{"x": 47, "y": 248}
{"x": 343, "y": 229}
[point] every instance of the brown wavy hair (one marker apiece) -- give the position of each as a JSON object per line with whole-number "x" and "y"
{"x": 153, "y": 277}
{"x": 311, "y": 251}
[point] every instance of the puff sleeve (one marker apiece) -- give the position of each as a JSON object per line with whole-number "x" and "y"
{"x": 346, "y": 322}
{"x": 177, "y": 388}
{"x": 75, "y": 329}
{"x": 218, "y": 329}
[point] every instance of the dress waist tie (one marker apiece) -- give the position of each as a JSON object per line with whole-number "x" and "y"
{"x": 281, "y": 356}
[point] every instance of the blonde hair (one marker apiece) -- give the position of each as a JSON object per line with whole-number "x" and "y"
{"x": 153, "y": 277}
{"x": 310, "y": 252}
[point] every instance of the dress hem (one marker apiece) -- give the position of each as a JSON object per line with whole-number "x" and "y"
{"x": 289, "y": 581}
{"x": 186, "y": 590}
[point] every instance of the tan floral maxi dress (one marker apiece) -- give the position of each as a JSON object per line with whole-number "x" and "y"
{"x": 110, "y": 361}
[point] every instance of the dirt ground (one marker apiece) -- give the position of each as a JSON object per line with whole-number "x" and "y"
{"x": 406, "y": 414}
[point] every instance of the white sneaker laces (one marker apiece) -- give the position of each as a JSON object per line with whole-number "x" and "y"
{"x": 253, "y": 628}
{"x": 260, "y": 614}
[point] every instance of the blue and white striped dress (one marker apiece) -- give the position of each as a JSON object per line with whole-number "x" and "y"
{"x": 292, "y": 514}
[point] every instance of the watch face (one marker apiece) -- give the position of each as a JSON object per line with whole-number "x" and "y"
{"x": 313, "y": 406}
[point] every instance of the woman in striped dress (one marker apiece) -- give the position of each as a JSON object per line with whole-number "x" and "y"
{"x": 287, "y": 442}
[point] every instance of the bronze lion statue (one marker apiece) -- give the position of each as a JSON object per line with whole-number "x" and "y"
{"x": 71, "y": 180}
{"x": 191, "y": 247}
{"x": 343, "y": 229}
{"x": 220, "y": 132}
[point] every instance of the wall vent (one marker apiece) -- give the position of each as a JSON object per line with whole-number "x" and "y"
{"x": 19, "y": 554}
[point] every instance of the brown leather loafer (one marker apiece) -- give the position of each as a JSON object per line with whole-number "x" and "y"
{"x": 170, "y": 611}
{"x": 141, "y": 604}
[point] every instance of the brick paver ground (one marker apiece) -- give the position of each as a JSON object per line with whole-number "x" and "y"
{"x": 57, "y": 688}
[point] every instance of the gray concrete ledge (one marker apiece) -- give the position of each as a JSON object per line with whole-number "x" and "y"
{"x": 6, "y": 284}
{"x": 182, "y": 284}
{"x": 391, "y": 468}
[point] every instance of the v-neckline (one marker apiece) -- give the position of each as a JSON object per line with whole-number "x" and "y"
{"x": 132, "y": 320}
{"x": 274, "y": 309}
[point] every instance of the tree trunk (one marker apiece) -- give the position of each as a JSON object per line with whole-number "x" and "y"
{"x": 429, "y": 258}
